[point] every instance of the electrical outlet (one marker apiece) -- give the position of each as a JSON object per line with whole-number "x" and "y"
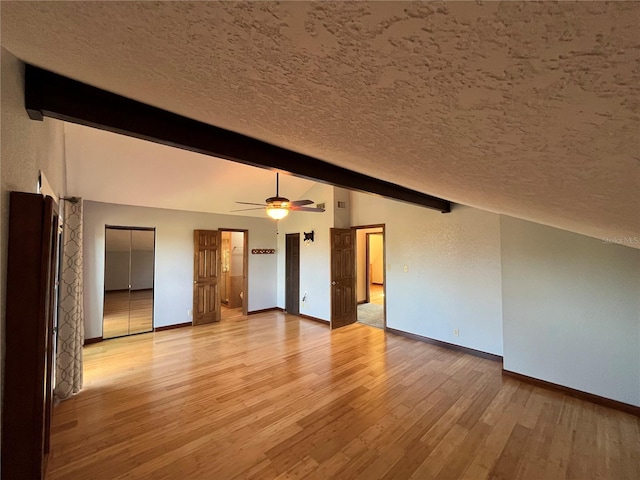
{"x": 406, "y": 268}
{"x": 456, "y": 332}
{"x": 388, "y": 267}
{"x": 189, "y": 313}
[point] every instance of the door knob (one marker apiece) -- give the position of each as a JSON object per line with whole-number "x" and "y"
{"x": 194, "y": 282}
{"x": 334, "y": 283}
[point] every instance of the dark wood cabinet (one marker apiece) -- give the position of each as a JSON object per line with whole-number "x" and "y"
{"x": 29, "y": 333}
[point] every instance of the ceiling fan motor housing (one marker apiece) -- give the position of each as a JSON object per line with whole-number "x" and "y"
{"x": 278, "y": 202}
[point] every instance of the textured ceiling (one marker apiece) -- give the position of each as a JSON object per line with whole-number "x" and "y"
{"x": 528, "y": 109}
{"x": 106, "y": 167}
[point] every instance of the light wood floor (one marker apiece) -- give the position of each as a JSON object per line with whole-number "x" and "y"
{"x": 275, "y": 396}
{"x": 127, "y": 312}
{"x": 229, "y": 313}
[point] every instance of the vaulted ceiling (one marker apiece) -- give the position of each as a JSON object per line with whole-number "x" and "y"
{"x": 107, "y": 167}
{"x": 527, "y": 109}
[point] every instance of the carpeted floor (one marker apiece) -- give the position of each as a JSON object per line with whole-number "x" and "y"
{"x": 371, "y": 314}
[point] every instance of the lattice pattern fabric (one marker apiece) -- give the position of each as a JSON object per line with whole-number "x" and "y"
{"x": 70, "y": 310}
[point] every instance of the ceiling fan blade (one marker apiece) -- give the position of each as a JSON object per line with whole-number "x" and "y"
{"x": 307, "y": 209}
{"x": 299, "y": 203}
{"x": 251, "y": 203}
{"x": 247, "y": 209}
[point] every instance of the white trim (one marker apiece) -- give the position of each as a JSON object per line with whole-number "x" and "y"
{"x": 44, "y": 187}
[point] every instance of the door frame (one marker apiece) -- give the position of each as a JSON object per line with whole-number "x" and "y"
{"x": 384, "y": 261}
{"x": 245, "y": 266}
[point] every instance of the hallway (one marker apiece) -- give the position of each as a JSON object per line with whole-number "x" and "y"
{"x": 372, "y": 313}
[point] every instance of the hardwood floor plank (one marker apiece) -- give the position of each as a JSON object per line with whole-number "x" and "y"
{"x": 459, "y": 460}
{"x": 275, "y": 396}
{"x": 387, "y": 456}
{"x": 508, "y": 464}
{"x": 538, "y": 448}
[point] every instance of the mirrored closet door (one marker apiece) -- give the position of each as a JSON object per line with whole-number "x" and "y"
{"x": 128, "y": 281}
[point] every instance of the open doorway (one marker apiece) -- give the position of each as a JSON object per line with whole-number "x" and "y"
{"x": 370, "y": 275}
{"x": 233, "y": 284}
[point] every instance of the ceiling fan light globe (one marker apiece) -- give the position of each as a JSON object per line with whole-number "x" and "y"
{"x": 277, "y": 213}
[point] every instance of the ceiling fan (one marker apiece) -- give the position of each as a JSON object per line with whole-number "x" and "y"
{"x": 278, "y": 207}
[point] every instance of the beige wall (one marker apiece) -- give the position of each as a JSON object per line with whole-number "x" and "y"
{"x": 571, "y": 309}
{"x": 559, "y": 306}
{"x": 361, "y": 261}
{"x": 452, "y": 280}
{"x": 376, "y": 259}
{"x": 341, "y": 216}
{"x": 26, "y": 148}
{"x": 315, "y": 263}
{"x": 173, "y": 286}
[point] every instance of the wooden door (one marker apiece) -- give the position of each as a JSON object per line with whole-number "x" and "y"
{"x": 343, "y": 277}
{"x": 206, "y": 272}
{"x": 292, "y": 274}
{"x": 29, "y": 364}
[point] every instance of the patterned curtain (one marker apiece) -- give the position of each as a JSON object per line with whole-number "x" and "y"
{"x": 70, "y": 311}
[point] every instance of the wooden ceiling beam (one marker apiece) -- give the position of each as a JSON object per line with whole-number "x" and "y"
{"x": 51, "y": 95}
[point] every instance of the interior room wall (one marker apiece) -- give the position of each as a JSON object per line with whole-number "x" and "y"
{"x": 453, "y": 277}
{"x": 173, "y": 285}
{"x": 571, "y": 303}
{"x": 27, "y": 147}
{"x": 315, "y": 267}
{"x": 361, "y": 261}
{"x": 376, "y": 259}
{"x": 342, "y": 214}
{"x": 237, "y": 253}
{"x": 571, "y": 308}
